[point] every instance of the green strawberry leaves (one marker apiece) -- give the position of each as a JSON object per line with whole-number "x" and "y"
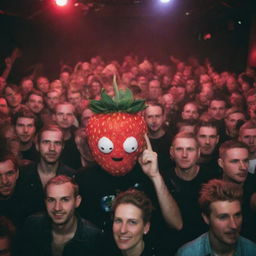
{"x": 123, "y": 101}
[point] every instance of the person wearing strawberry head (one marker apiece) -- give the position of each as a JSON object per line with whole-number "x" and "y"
{"x": 116, "y": 136}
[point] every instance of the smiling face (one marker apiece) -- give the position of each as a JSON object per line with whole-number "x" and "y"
{"x": 129, "y": 228}
{"x": 61, "y": 203}
{"x": 116, "y": 140}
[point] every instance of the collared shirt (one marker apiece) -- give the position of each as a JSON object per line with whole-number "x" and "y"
{"x": 201, "y": 247}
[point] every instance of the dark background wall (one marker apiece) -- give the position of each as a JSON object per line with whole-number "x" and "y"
{"x": 53, "y": 37}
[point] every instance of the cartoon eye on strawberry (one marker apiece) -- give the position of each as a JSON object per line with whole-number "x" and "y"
{"x": 116, "y": 131}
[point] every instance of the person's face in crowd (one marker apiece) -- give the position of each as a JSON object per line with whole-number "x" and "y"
{"x": 207, "y": 138}
{"x": 177, "y": 78}
{"x": 35, "y": 103}
{"x": 52, "y": 98}
{"x": 61, "y": 203}
{"x": 43, "y": 84}
{"x": 74, "y": 98}
{"x": 236, "y": 99}
{"x": 109, "y": 89}
{"x": 154, "y": 118}
{"x": 190, "y": 111}
{"x": 204, "y": 78}
{"x": 231, "y": 84}
{"x": 65, "y": 115}
{"x": 231, "y": 122}
{"x": 168, "y": 102}
{"x": 252, "y": 113}
{"x": 95, "y": 89}
{"x": 187, "y": 72}
{"x": 251, "y": 100}
{"x": 4, "y": 106}
{"x": 8, "y": 177}
{"x": 178, "y": 93}
{"x": 129, "y": 228}
{"x": 12, "y": 141}
{"x": 5, "y": 247}
{"x": 154, "y": 89}
{"x": 87, "y": 113}
{"x": 27, "y": 85}
{"x": 86, "y": 66}
{"x": 203, "y": 99}
{"x": 190, "y": 86}
{"x": 235, "y": 164}
{"x": 135, "y": 71}
{"x": 245, "y": 87}
{"x": 180, "y": 66}
{"x": 64, "y": 77}
{"x": 185, "y": 152}
{"x": 142, "y": 81}
{"x": 187, "y": 128}
{"x": 225, "y": 221}
{"x": 217, "y": 109}
{"x": 166, "y": 82}
{"x": 57, "y": 85}
{"x": 50, "y": 146}
{"x": 248, "y": 136}
{"x": 2, "y": 83}
{"x": 25, "y": 129}
{"x": 13, "y": 98}
{"x": 98, "y": 70}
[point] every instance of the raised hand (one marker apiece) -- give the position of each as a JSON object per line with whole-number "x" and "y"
{"x": 148, "y": 160}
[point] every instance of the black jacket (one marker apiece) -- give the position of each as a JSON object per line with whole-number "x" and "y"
{"x": 36, "y": 238}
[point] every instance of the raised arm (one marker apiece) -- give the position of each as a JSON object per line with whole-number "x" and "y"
{"x": 169, "y": 207}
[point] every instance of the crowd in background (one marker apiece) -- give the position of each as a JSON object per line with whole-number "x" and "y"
{"x": 182, "y": 97}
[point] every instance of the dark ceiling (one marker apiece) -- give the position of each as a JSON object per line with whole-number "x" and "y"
{"x": 211, "y": 8}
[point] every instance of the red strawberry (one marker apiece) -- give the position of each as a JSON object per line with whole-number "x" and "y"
{"x": 116, "y": 131}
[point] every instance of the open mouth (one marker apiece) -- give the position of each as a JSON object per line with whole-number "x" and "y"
{"x": 117, "y": 159}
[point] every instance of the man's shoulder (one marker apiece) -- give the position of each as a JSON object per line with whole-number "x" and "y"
{"x": 247, "y": 247}
{"x": 198, "y": 247}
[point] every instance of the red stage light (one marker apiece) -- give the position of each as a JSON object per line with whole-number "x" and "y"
{"x": 61, "y": 3}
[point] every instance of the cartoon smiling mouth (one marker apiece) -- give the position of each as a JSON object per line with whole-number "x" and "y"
{"x": 117, "y": 159}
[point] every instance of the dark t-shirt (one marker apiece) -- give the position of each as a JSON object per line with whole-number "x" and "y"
{"x": 186, "y": 194}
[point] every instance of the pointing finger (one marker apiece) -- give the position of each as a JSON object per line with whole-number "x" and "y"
{"x": 148, "y": 144}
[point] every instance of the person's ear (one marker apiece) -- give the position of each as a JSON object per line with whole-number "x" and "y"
{"x": 78, "y": 200}
{"x": 220, "y": 162}
{"x": 205, "y": 218}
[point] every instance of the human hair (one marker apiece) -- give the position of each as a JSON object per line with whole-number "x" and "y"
{"x": 156, "y": 104}
{"x": 62, "y": 179}
{"x": 218, "y": 190}
{"x": 185, "y": 135}
{"x": 233, "y": 110}
{"x": 49, "y": 127}
{"x": 247, "y": 125}
{"x": 24, "y": 112}
{"x": 208, "y": 123}
{"x": 64, "y": 103}
{"x": 230, "y": 144}
{"x": 185, "y": 122}
{"x": 137, "y": 198}
{"x": 35, "y": 92}
{"x": 14, "y": 87}
{"x": 7, "y": 155}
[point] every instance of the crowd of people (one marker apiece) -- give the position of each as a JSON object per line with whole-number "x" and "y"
{"x": 195, "y": 181}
